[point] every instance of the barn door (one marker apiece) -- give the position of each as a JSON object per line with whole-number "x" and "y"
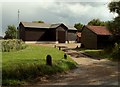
{"x": 61, "y": 36}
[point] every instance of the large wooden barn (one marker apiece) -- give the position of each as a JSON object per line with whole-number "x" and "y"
{"x": 95, "y": 37}
{"x": 42, "y": 32}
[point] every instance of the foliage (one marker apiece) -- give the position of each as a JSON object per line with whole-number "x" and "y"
{"x": 29, "y": 63}
{"x": 114, "y": 25}
{"x": 12, "y": 82}
{"x": 97, "y": 22}
{"x": 114, "y": 7}
{"x": 38, "y": 21}
{"x": 111, "y": 53}
{"x": 11, "y": 32}
{"x": 78, "y": 26}
{"x": 96, "y": 53}
{"x": 12, "y": 45}
{"x": 116, "y": 52}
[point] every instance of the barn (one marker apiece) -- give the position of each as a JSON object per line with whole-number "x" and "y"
{"x": 43, "y": 32}
{"x": 71, "y": 34}
{"x": 95, "y": 37}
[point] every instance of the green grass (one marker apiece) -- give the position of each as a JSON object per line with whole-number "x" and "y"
{"x": 97, "y": 53}
{"x": 29, "y": 63}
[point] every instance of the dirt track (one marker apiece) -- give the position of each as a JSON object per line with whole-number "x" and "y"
{"x": 89, "y": 72}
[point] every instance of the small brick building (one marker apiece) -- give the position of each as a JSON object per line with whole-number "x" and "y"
{"x": 95, "y": 37}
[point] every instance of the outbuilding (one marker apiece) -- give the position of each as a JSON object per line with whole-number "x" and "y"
{"x": 43, "y": 32}
{"x": 71, "y": 34}
{"x": 95, "y": 37}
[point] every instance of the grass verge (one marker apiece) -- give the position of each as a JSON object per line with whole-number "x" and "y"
{"x": 97, "y": 53}
{"x": 21, "y": 66}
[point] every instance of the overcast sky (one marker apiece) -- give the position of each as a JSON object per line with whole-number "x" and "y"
{"x": 54, "y": 11}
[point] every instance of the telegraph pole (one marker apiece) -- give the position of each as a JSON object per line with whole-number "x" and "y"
{"x": 17, "y": 34}
{"x": 18, "y": 15}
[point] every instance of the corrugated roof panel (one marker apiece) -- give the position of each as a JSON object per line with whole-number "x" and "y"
{"x": 36, "y": 25}
{"x": 45, "y": 25}
{"x": 55, "y": 25}
{"x": 71, "y": 27}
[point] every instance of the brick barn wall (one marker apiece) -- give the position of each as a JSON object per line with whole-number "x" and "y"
{"x": 89, "y": 39}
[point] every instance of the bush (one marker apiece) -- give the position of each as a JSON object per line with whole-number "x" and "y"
{"x": 109, "y": 49}
{"x": 116, "y": 52}
{"x": 12, "y": 45}
{"x": 12, "y": 82}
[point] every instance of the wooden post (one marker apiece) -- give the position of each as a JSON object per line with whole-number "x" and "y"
{"x": 77, "y": 47}
{"x": 57, "y": 35}
{"x": 65, "y": 56}
{"x": 59, "y": 48}
{"x": 49, "y": 60}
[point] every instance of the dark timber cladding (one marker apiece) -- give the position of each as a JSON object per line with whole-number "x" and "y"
{"x": 95, "y": 37}
{"x": 29, "y": 31}
{"x": 61, "y": 34}
{"x": 72, "y": 36}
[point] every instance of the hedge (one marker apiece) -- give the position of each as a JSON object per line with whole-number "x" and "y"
{"x": 9, "y": 45}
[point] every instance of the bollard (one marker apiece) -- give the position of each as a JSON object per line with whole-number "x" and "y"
{"x": 49, "y": 60}
{"x": 65, "y": 56}
{"x": 77, "y": 47}
{"x": 59, "y": 48}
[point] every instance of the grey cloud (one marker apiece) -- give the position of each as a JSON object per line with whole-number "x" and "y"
{"x": 94, "y": 4}
{"x": 54, "y": 12}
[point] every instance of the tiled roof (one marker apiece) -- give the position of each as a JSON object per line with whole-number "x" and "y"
{"x": 99, "y": 30}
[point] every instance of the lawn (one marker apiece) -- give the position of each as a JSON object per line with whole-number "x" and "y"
{"x": 30, "y": 63}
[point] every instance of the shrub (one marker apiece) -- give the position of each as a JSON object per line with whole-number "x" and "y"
{"x": 109, "y": 49}
{"x": 12, "y": 82}
{"x": 116, "y": 52}
{"x": 12, "y": 45}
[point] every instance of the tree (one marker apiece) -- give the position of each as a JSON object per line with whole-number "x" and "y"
{"x": 11, "y": 32}
{"x": 38, "y": 21}
{"x": 114, "y": 7}
{"x": 114, "y": 25}
{"x": 78, "y": 26}
{"x": 96, "y": 22}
